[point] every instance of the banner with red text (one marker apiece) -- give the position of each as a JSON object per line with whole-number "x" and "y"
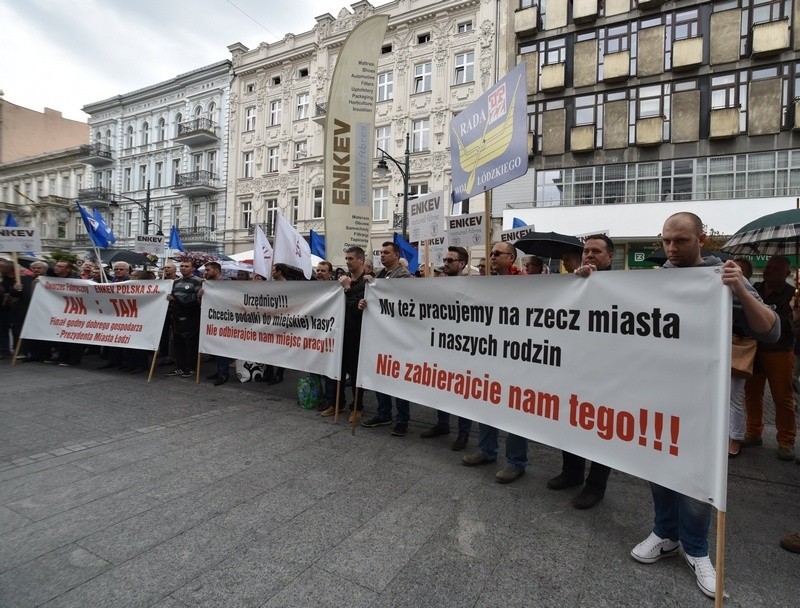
{"x": 631, "y": 370}
{"x": 128, "y": 314}
{"x": 294, "y": 324}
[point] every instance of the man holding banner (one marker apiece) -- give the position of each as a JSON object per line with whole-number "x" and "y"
{"x": 681, "y": 521}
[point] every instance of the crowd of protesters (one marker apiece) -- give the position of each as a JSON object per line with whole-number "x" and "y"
{"x": 766, "y": 312}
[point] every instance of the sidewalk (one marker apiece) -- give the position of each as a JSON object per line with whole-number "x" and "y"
{"x": 115, "y": 492}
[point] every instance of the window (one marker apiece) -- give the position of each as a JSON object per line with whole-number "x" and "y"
{"x": 465, "y": 65}
{"x": 271, "y": 212}
{"x": 158, "y": 218}
{"x": 386, "y": 49}
{"x": 302, "y": 73}
{"x": 161, "y": 130}
{"x": 380, "y": 203}
{"x": 250, "y": 88}
{"x": 275, "y": 108}
{"x": 197, "y": 162}
{"x": 295, "y": 210}
{"x": 211, "y": 162}
{"x": 724, "y": 92}
{"x": 317, "y": 204}
{"x": 617, "y": 39}
{"x": 422, "y": 77}
{"x": 247, "y": 214}
{"x": 383, "y": 137}
{"x": 212, "y": 215}
{"x": 302, "y": 106}
{"x": 194, "y": 216}
{"x": 176, "y": 168}
{"x": 247, "y": 164}
{"x": 159, "y": 174}
{"x": 178, "y": 120}
{"x": 553, "y": 51}
{"x": 424, "y": 38}
{"x": 129, "y": 137}
{"x": 272, "y": 159}
{"x": 421, "y": 135}
{"x": 464, "y": 27}
{"x": 300, "y": 149}
{"x": 385, "y": 86}
{"x": 127, "y": 223}
{"x": 126, "y": 179}
{"x": 686, "y": 25}
{"x": 176, "y": 216}
{"x": 417, "y": 190}
{"x": 212, "y": 112}
{"x": 145, "y": 133}
{"x": 276, "y": 80}
{"x": 250, "y": 118}
{"x": 142, "y": 177}
{"x": 650, "y": 102}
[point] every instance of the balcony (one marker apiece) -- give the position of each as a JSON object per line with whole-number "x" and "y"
{"x": 648, "y": 4}
{"x": 83, "y": 240}
{"x": 770, "y": 38}
{"x": 553, "y": 77}
{"x": 617, "y": 66}
{"x": 584, "y": 11}
{"x": 95, "y": 197}
{"x": 197, "y": 132}
{"x": 96, "y": 155}
{"x": 687, "y": 53}
{"x": 320, "y": 114}
{"x": 526, "y": 20}
{"x": 650, "y": 131}
{"x": 198, "y": 234}
{"x": 195, "y": 183}
{"x": 724, "y": 123}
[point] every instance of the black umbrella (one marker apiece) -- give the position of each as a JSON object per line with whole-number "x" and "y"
{"x": 549, "y": 244}
{"x": 659, "y": 256}
{"x": 126, "y": 255}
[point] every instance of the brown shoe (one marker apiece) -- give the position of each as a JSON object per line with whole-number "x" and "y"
{"x": 508, "y": 474}
{"x": 791, "y": 542}
{"x": 330, "y": 411}
{"x": 751, "y": 441}
{"x": 355, "y": 416}
{"x": 473, "y": 460}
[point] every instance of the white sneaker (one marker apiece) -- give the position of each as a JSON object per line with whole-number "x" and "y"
{"x": 653, "y": 548}
{"x": 705, "y": 573}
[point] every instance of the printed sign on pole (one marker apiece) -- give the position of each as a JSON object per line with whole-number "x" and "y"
{"x": 426, "y": 217}
{"x": 466, "y": 230}
{"x": 20, "y": 239}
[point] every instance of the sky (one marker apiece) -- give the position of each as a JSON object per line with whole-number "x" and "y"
{"x": 65, "y": 54}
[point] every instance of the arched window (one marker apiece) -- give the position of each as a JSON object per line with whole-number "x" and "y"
{"x": 129, "y": 137}
{"x": 178, "y": 120}
{"x": 212, "y": 110}
{"x": 145, "y": 133}
{"x": 98, "y": 137}
{"x": 198, "y": 111}
{"x": 108, "y": 137}
{"x": 162, "y": 129}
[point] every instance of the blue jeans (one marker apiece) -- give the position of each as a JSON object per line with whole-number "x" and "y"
{"x": 678, "y": 517}
{"x": 385, "y": 408}
{"x": 516, "y": 447}
{"x": 223, "y": 366}
{"x": 464, "y": 424}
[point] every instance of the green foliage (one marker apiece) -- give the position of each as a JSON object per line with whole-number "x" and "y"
{"x": 58, "y": 256}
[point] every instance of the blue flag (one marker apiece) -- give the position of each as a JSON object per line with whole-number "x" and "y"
{"x": 102, "y": 227}
{"x": 91, "y": 228}
{"x": 518, "y": 223}
{"x": 317, "y": 244}
{"x": 11, "y": 222}
{"x": 407, "y": 252}
{"x": 175, "y": 239}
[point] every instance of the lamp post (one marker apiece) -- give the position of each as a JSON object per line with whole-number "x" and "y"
{"x": 382, "y": 169}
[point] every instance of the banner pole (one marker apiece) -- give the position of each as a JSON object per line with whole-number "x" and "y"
{"x": 197, "y": 368}
{"x": 428, "y": 273}
{"x": 17, "y": 271}
{"x": 720, "y": 590}
{"x": 16, "y": 352}
{"x": 356, "y": 390}
{"x": 488, "y": 244}
{"x": 152, "y": 366}
{"x": 336, "y": 408}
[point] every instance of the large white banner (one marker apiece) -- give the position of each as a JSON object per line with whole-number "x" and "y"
{"x": 129, "y": 314}
{"x": 298, "y": 325}
{"x": 628, "y": 369}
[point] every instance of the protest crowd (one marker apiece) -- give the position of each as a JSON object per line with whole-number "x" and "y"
{"x": 766, "y": 319}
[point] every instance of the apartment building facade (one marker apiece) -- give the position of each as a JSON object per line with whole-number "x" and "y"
{"x": 641, "y": 108}
{"x": 436, "y": 58}
{"x": 158, "y": 157}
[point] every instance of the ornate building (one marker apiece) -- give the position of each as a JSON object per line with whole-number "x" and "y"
{"x": 642, "y": 108}
{"x": 437, "y": 57}
{"x": 158, "y": 158}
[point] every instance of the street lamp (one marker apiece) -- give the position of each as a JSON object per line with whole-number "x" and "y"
{"x": 145, "y": 208}
{"x": 382, "y": 169}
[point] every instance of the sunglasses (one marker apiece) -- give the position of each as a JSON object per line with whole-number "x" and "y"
{"x": 450, "y": 260}
{"x": 494, "y": 254}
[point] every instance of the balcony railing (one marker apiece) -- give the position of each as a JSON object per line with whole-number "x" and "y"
{"x": 267, "y": 227}
{"x": 96, "y": 154}
{"x": 96, "y": 196}
{"x": 198, "y": 233}
{"x": 195, "y": 178}
{"x": 320, "y": 109}
{"x": 197, "y": 131}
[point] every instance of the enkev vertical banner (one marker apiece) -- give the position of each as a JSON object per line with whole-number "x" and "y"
{"x": 349, "y": 140}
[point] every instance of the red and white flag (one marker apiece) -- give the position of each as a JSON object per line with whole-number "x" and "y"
{"x": 262, "y": 254}
{"x": 290, "y": 247}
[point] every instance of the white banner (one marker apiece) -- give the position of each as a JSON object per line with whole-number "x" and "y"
{"x": 129, "y": 314}
{"x": 20, "y": 239}
{"x": 466, "y": 230}
{"x": 436, "y": 250}
{"x": 294, "y": 324}
{"x": 426, "y": 217}
{"x": 516, "y": 234}
{"x": 150, "y": 243}
{"x": 628, "y": 369}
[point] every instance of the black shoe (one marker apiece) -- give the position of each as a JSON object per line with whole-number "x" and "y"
{"x": 400, "y": 429}
{"x": 460, "y": 443}
{"x": 435, "y": 431}
{"x": 375, "y": 421}
{"x": 175, "y": 372}
{"x": 213, "y": 376}
{"x": 563, "y": 481}
{"x": 587, "y": 498}
{"x": 220, "y": 380}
